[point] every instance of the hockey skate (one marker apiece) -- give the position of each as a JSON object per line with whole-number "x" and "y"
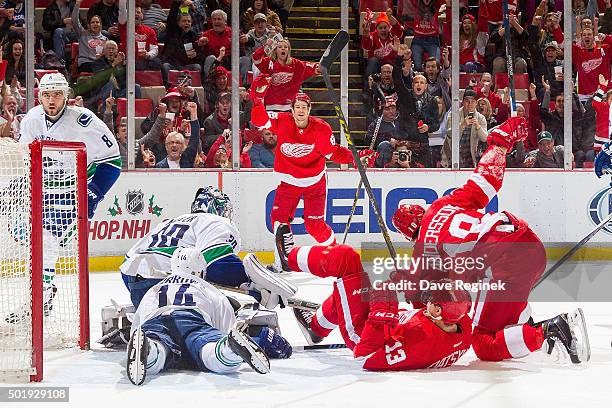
{"x": 283, "y": 245}
{"x": 24, "y": 313}
{"x": 251, "y": 353}
{"x": 137, "y": 352}
{"x": 304, "y": 317}
{"x": 569, "y": 331}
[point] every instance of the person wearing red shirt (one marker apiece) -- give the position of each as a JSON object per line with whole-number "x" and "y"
{"x": 146, "y": 47}
{"x": 379, "y": 43}
{"x": 433, "y": 335}
{"x": 426, "y": 32}
{"x": 601, "y": 103}
{"x": 286, "y": 74}
{"x": 502, "y": 249}
{"x": 217, "y": 38}
{"x": 304, "y": 145}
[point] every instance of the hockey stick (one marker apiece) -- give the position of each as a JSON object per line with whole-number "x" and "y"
{"x": 372, "y": 143}
{"x": 319, "y": 347}
{"x": 509, "y": 58}
{"x": 291, "y": 302}
{"x": 331, "y": 53}
{"x": 573, "y": 250}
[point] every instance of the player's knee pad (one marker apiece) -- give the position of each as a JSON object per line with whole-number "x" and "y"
{"x": 218, "y": 358}
{"x": 319, "y": 230}
{"x": 488, "y": 347}
{"x": 345, "y": 260}
{"x": 116, "y": 324}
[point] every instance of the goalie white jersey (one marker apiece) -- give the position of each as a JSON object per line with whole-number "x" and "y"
{"x": 184, "y": 291}
{"x": 75, "y": 125}
{"x": 216, "y": 237}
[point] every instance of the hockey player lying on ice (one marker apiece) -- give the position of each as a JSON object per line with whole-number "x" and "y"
{"x": 454, "y": 227}
{"x": 184, "y": 322}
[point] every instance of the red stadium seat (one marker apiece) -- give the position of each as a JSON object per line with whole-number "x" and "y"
{"x": 143, "y": 107}
{"x": 521, "y": 81}
{"x": 165, "y": 4}
{"x": 149, "y": 78}
{"x": 89, "y": 3}
{"x": 588, "y": 164}
{"x": 41, "y": 3}
{"x": 464, "y": 79}
{"x": 196, "y": 80}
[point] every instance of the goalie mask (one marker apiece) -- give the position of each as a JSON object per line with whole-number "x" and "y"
{"x": 212, "y": 201}
{"x": 189, "y": 261}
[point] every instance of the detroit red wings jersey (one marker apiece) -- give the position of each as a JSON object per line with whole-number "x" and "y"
{"x": 452, "y": 225}
{"x": 285, "y": 80}
{"x": 300, "y": 153}
{"x": 418, "y": 343}
{"x": 589, "y": 64}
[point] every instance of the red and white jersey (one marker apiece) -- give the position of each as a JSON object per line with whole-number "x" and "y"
{"x": 589, "y": 64}
{"x": 453, "y": 224}
{"x": 492, "y": 10}
{"x": 300, "y": 153}
{"x": 382, "y": 48}
{"x": 142, "y": 33}
{"x": 603, "y": 119}
{"x": 285, "y": 80}
{"x": 417, "y": 343}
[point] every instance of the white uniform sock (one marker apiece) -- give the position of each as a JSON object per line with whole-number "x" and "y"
{"x": 156, "y": 359}
{"x": 219, "y": 358}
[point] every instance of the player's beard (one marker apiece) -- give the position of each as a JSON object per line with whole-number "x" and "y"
{"x": 56, "y": 113}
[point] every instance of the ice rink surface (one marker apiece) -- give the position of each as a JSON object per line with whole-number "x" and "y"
{"x": 331, "y": 378}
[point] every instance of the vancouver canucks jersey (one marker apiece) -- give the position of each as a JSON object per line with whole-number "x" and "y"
{"x": 216, "y": 237}
{"x": 75, "y": 125}
{"x": 184, "y": 291}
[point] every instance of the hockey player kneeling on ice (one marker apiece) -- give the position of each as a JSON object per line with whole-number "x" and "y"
{"x": 210, "y": 230}
{"x": 54, "y": 120}
{"x": 184, "y": 322}
{"x": 454, "y": 230}
{"x": 371, "y": 324}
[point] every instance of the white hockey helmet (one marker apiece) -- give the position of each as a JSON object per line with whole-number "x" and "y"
{"x": 188, "y": 260}
{"x": 53, "y": 82}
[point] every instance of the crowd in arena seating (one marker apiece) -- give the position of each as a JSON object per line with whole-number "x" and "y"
{"x": 183, "y": 50}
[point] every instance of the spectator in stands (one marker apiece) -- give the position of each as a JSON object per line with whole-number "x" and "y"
{"x": 146, "y": 46}
{"x": 260, "y": 7}
{"x": 470, "y": 59}
{"x": 58, "y": 23}
{"x": 16, "y": 62}
{"x": 220, "y": 119}
{"x": 286, "y": 74}
{"x": 216, "y": 83}
{"x": 547, "y": 155}
{"x": 17, "y": 10}
{"x": 426, "y": 32}
{"x": 119, "y": 129}
{"x": 91, "y": 40}
{"x": 6, "y": 22}
{"x": 108, "y": 12}
{"x": 199, "y": 16}
{"x": 180, "y": 154}
{"x": 181, "y": 50}
{"x": 401, "y": 157}
{"x": 438, "y": 76}
{"x": 379, "y": 43}
{"x": 169, "y": 114}
{"x": 483, "y": 106}
{"x": 602, "y": 101}
{"x": 154, "y": 17}
{"x": 388, "y": 128}
{"x": 519, "y": 41}
{"x": 384, "y": 81}
{"x": 184, "y": 86}
{"x": 484, "y": 89}
{"x": 262, "y": 154}
{"x": 10, "y": 111}
{"x": 606, "y": 21}
{"x": 472, "y": 132}
{"x": 221, "y": 150}
{"x": 547, "y": 64}
{"x": 223, "y": 5}
{"x": 436, "y": 138}
{"x": 553, "y": 121}
{"x": 282, "y": 8}
{"x": 257, "y": 36}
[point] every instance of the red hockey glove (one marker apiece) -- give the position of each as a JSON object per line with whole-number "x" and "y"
{"x": 259, "y": 88}
{"x": 508, "y": 133}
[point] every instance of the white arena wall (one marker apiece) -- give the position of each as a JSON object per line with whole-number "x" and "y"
{"x": 561, "y": 206}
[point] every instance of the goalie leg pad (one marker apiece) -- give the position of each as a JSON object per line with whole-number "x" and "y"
{"x": 273, "y": 288}
{"x": 116, "y": 324}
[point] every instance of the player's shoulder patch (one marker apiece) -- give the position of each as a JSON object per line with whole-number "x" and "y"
{"x": 84, "y": 119}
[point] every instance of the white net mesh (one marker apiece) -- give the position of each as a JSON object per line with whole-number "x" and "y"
{"x": 60, "y": 261}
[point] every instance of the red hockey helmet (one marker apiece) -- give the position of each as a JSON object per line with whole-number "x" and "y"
{"x": 301, "y": 96}
{"x": 407, "y": 220}
{"x": 455, "y": 303}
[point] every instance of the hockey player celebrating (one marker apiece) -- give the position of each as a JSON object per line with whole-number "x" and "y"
{"x": 185, "y": 322}
{"x": 371, "y": 324}
{"x": 53, "y": 119}
{"x": 304, "y": 144}
{"x": 510, "y": 253}
{"x": 209, "y": 230}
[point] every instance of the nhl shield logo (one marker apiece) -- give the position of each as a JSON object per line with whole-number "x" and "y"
{"x": 600, "y": 207}
{"x": 134, "y": 201}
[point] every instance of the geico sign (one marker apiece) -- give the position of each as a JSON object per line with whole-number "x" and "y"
{"x": 340, "y": 200}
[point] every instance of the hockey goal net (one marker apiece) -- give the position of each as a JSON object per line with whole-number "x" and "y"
{"x": 43, "y": 254}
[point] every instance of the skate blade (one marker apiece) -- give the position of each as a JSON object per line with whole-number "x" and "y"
{"x": 136, "y": 370}
{"x": 580, "y": 335}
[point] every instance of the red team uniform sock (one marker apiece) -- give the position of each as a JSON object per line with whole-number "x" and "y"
{"x": 511, "y": 342}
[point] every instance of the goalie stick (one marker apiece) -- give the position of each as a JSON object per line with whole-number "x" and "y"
{"x": 291, "y": 302}
{"x": 329, "y": 56}
{"x": 319, "y": 347}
